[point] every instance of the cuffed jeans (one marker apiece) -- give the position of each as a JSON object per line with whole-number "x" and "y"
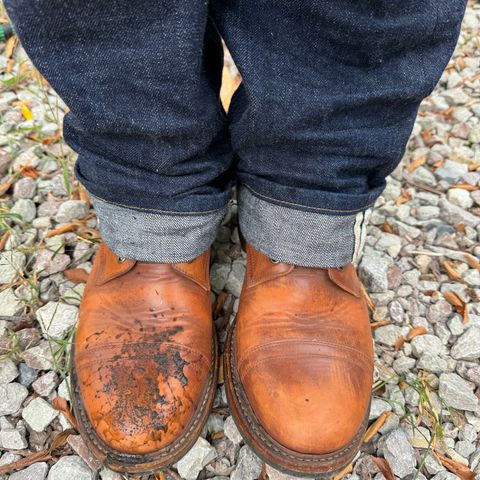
{"x": 329, "y": 96}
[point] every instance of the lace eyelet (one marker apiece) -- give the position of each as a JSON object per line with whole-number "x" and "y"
{"x": 275, "y": 262}
{"x": 121, "y": 259}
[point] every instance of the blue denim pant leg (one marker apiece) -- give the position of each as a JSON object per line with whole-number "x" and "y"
{"x": 141, "y": 79}
{"x": 330, "y": 93}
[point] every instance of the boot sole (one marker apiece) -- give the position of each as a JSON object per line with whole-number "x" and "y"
{"x": 266, "y": 447}
{"x": 145, "y": 463}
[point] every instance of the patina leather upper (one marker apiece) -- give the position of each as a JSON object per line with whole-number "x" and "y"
{"x": 143, "y": 350}
{"x": 304, "y": 353}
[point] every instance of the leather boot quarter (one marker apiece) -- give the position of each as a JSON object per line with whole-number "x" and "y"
{"x": 299, "y": 365}
{"x": 144, "y": 360}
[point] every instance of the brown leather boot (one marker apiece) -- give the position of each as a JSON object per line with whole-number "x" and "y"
{"x": 299, "y": 365}
{"x": 143, "y": 365}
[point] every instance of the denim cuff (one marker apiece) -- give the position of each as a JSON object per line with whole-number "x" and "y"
{"x": 156, "y": 236}
{"x": 299, "y": 237}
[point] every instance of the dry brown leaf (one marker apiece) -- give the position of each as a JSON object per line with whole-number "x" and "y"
{"x": 42, "y": 456}
{"x": 64, "y": 228}
{"x": 456, "y": 468}
{"x": 160, "y": 476}
{"x": 387, "y": 228}
{"x": 83, "y": 194}
{"x": 464, "y": 186}
{"x": 365, "y": 294}
{"x": 415, "y": 332}
{"x": 452, "y": 273}
{"x": 418, "y": 162}
{"x": 472, "y": 261}
{"x": 376, "y": 426}
{"x": 3, "y": 239}
{"x": 380, "y": 323}
{"x": 399, "y": 343}
{"x": 474, "y": 166}
{"x": 384, "y": 467}
{"x": 263, "y": 473}
{"x": 29, "y": 171}
{"x": 342, "y": 473}
{"x": 4, "y": 187}
{"x": 61, "y": 405}
{"x": 76, "y": 275}
{"x": 458, "y": 303}
{"x": 10, "y": 46}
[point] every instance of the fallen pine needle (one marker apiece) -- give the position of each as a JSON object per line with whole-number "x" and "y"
{"x": 61, "y": 405}
{"x": 415, "y": 332}
{"x": 458, "y": 469}
{"x": 3, "y": 239}
{"x": 64, "y": 228}
{"x": 376, "y": 426}
{"x": 347, "y": 469}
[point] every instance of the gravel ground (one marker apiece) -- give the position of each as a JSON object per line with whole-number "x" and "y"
{"x": 421, "y": 269}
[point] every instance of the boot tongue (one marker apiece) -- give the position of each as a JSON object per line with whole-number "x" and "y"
{"x": 108, "y": 265}
{"x": 196, "y": 270}
{"x": 261, "y": 268}
{"x": 346, "y": 278}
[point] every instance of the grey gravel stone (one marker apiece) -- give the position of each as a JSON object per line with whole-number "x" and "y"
{"x": 12, "y": 396}
{"x": 40, "y": 357}
{"x": 249, "y": 465}
{"x": 70, "y": 467}
{"x": 201, "y": 454}
{"x": 25, "y": 208}
{"x": 37, "y": 471}
{"x": 456, "y": 393}
{"x": 373, "y": 271}
{"x": 388, "y": 334}
{"x": 426, "y": 344}
{"x": 45, "y": 385}
{"x": 467, "y": 347}
{"x": 71, "y": 210}
{"x": 235, "y": 278}
{"x": 56, "y": 319}
{"x": 424, "y": 176}
{"x": 49, "y": 263}
{"x": 24, "y": 188}
{"x": 398, "y": 452}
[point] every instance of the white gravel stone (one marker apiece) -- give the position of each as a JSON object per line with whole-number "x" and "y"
{"x": 71, "y": 210}
{"x": 467, "y": 347}
{"x": 39, "y": 414}
{"x": 10, "y": 305}
{"x": 70, "y": 467}
{"x": 460, "y": 197}
{"x": 13, "y": 439}
{"x": 231, "y": 431}
{"x": 12, "y": 264}
{"x": 37, "y": 471}
{"x": 8, "y": 371}
{"x": 426, "y": 344}
{"x": 201, "y": 454}
{"x": 12, "y": 396}
{"x": 456, "y": 393}
{"x": 56, "y": 319}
